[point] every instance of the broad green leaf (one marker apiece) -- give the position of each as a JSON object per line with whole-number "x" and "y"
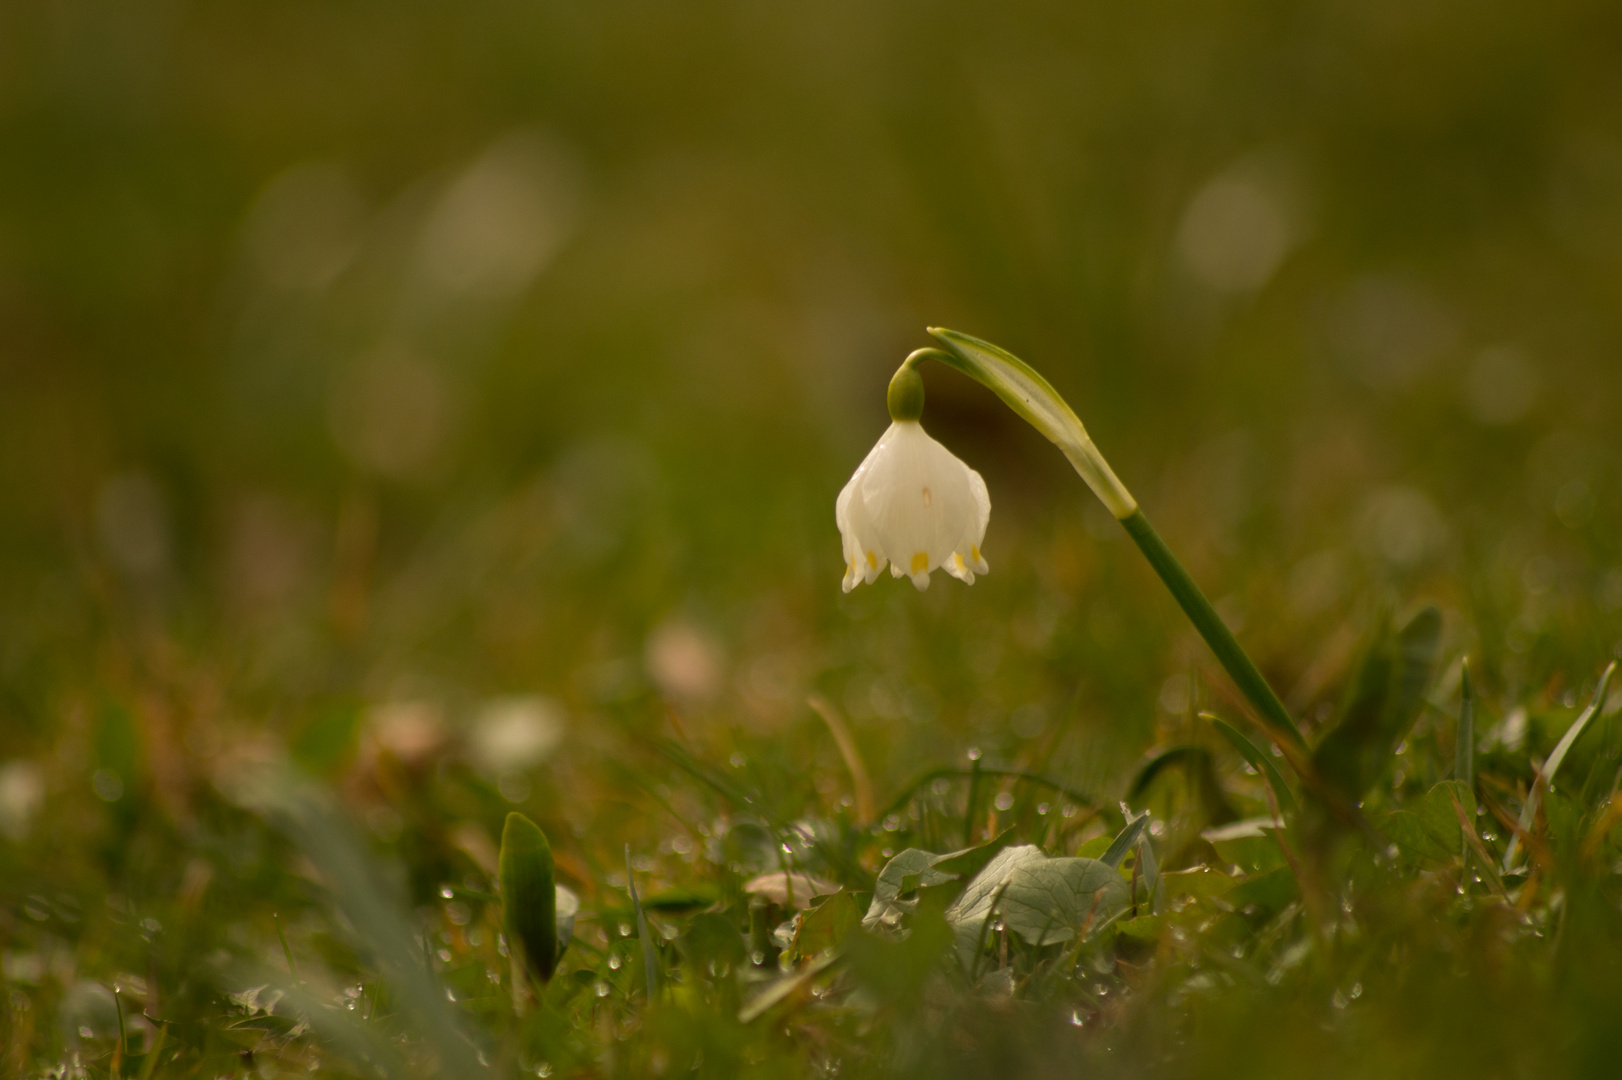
{"x": 903, "y": 874}
{"x": 913, "y": 870}
{"x": 1050, "y": 900}
{"x": 968, "y": 913}
{"x": 529, "y": 895}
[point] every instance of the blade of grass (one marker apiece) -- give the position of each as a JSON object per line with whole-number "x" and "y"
{"x": 860, "y": 782}
{"x": 307, "y": 815}
{"x": 292, "y": 969}
{"x": 1125, "y": 839}
{"x": 150, "y": 1066}
{"x": 1464, "y": 752}
{"x": 1545, "y": 775}
{"x": 969, "y": 807}
{"x": 1257, "y": 759}
{"x": 650, "y": 956}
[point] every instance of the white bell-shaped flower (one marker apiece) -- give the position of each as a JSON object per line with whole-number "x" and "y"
{"x": 914, "y": 506}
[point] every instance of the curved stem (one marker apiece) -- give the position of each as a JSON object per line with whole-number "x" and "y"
{"x": 1034, "y": 399}
{"x": 1204, "y": 616}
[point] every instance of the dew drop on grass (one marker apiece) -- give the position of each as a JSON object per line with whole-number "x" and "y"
{"x": 1004, "y": 800}
{"x": 1042, "y": 808}
{"x": 602, "y": 989}
{"x": 614, "y": 961}
{"x": 625, "y": 929}
{"x": 1076, "y": 1018}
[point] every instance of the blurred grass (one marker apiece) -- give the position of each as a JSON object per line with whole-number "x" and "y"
{"x": 370, "y": 369}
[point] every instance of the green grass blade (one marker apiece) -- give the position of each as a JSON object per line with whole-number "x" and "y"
{"x": 1258, "y": 760}
{"x": 1125, "y": 839}
{"x": 650, "y": 955}
{"x": 529, "y": 895}
{"x": 1464, "y": 752}
{"x": 1545, "y": 775}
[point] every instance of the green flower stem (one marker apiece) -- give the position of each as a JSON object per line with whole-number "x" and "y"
{"x": 1228, "y": 651}
{"x": 1031, "y": 396}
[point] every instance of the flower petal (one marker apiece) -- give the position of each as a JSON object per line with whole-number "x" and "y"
{"x": 914, "y": 505}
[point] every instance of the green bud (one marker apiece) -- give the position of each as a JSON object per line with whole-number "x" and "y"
{"x": 529, "y": 896}
{"x": 906, "y": 396}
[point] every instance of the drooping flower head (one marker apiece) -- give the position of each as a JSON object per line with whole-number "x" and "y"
{"x": 912, "y": 505}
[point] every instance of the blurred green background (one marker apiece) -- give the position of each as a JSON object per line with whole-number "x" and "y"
{"x": 418, "y": 358}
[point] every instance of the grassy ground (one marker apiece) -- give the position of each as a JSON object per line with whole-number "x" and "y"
{"x": 413, "y": 415}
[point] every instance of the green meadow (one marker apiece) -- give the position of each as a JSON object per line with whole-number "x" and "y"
{"x": 423, "y": 650}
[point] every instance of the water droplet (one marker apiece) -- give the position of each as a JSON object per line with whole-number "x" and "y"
{"x": 614, "y": 961}
{"x": 602, "y": 989}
